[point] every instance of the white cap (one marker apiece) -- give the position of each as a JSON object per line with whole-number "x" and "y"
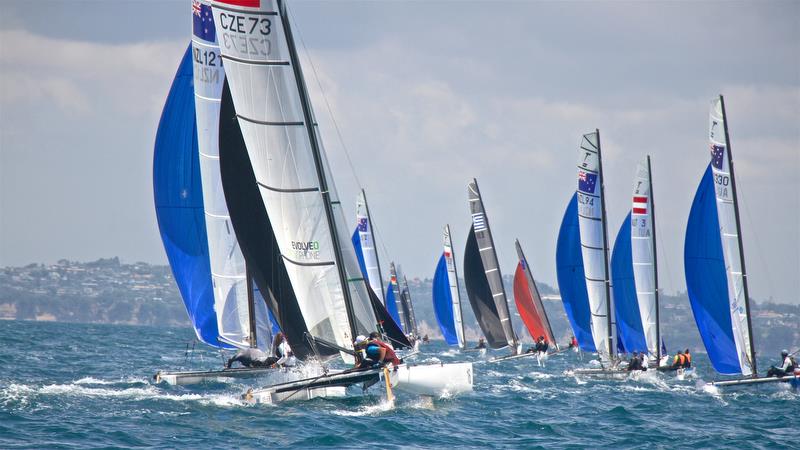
{"x": 361, "y": 338}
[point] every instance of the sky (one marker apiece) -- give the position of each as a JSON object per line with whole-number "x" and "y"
{"x": 426, "y": 95}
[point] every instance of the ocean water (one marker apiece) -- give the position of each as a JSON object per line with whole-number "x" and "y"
{"x": 89, "y": 386}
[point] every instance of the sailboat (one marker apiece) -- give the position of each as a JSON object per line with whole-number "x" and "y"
{"x": 446, "y": 295}
{"x": 634, "y": 270}
{"x": 241, "y": 318}
{"x": 294, "y": 236}
{"x": 410, "y": 319}
{"x": 716, "y": 277}
{"x": 483, "y": 279}
{"x": 393, "y": 298}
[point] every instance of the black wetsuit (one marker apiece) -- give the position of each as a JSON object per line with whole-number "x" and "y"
{"x": 251, "y": 357}
{"x": 635, "y": 363}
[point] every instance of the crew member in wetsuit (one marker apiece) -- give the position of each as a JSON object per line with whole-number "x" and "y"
{"x": 679, "y": 361}
{"x": 481, "y": 343}
{"x": 573, "y": 342}
{"x": 688, "y": 359}
{"x": 251, "y": 357}
{"x": 375, "y": 352}
{"x": 635, "y": 363}
{"x": 787, "y": 367}
{"x": 283, "y": 352}
{"x": 425, "y": 339}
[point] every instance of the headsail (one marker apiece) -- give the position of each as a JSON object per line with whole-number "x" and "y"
{"x": 626, "y": 305}
{"x": 594, "y": 243}
{"x": 228, "y": 271}
{"x": 178, "y": 198}
{"x": 714, "y": 262}
{"x": 571, "y": 280}
{"x": 365, "y": 245}
{"x": 489, "y": 274}
{"x": 446, "y": 297}
{"x": 291, "y": 170}
{"x": 529, "y": 302}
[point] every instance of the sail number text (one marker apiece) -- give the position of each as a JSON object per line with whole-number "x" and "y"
{"x": 246, "y": 35}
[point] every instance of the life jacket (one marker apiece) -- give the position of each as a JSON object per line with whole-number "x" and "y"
{"x": 391, "y": 356}
{"x": 680, "y": 360}
{"x": 688, "y": 359}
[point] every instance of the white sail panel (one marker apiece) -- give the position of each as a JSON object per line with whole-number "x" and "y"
{"x": 643, "y": 256}
{"x": 593, "y": 242}
{"x": 452, "y": 277}
{"x": 267, "y": 98}
{"x": 368, "y": 250}
{"x": 227, "y": 263}
{"x": 729, "y": 234}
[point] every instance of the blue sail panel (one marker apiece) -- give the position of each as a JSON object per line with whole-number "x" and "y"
{"x": 359, "y": 253}
{"x": 443, "y": 303}
{"x": 571, "y": 281}
{"x": 626, "y": 303}
{"x": 706, "y": 280}
{"x": 391, "y": 306}
{"x": 179, "y": 203}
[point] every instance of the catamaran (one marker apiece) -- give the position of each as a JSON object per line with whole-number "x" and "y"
{"x": 483, "y": 279}
{"x": 716, "y": 278}
{"x": 286, "y": 211}
{"x": 634, "y": 273}
{"x": 240, "y": 313}
{"x": 446, "y": 295}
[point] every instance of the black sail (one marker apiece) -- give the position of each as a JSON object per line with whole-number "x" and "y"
{"x": 254, "y": 232}
{"x": 480, "y": 294}
{"x": 390, "y": 328}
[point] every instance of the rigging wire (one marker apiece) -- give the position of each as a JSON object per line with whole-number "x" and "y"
{"x": 757, "y": 241}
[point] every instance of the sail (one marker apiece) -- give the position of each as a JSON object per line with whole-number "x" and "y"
{"x": 529, "y": 302}
{"x": 480, "y": 294}
{"x": 254, "y": 232}
{"x": 364, "y": 243}
{"x": 594, "y": 245}
{"x": 178, "y": 196}
{"x": 391, "y": 329}
{"x": 446, "y": 298}
{"x": 626, "y": 304}
{"x": 291, "y": 169}
{"x": 706, "y": 280}
{"x": 571, "y": 281}
{"x": 410, "y": 324}
{"x": 488, "y": 256}
{"x": 643, "y": 255}
{"x": 228, "y": 273}
{"x": 730, "y": 234}
{"x": 391, "y": 301}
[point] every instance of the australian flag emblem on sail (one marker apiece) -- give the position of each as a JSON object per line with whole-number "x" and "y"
{"x": 203, "y": 22}
{"x": 362, "y": 224}
{"x": 587, "y": 181}
{"x": 479, "y": 221}
{"x": 717, "y": 155}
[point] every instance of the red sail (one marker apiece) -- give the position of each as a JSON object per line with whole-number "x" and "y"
{"x": 527, "y": 310}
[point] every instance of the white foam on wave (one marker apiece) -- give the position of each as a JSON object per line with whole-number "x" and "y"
{"x": 540, "y": 375}
{"x": 369, "y": 410}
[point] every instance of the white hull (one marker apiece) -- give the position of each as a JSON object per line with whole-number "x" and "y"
{"x": 433, "y": 380}
{"x": 793, "y": 379}
{"x": 195, "y": 377}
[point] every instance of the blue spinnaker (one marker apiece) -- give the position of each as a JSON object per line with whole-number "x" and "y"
{"x": 571, "y": 280}
{"x": 706, "y": 280}
{"x": 179, "y": 203}
{"x": 391, "y": 306}
{"x": 630, "y": 331}
{"x": 443, "y": 303}
{"x": 359, "y": 253}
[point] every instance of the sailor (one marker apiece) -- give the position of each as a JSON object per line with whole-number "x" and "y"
{"x": 425, "y": 339}
{"x": 481, "y": 343}
{"x": 360, "y": 347}
{"x": 688, "y": 359}
{"x": 679, "y": 360}
{"x": 635, "y": 363}
{"x": 387, "y": 352}
{"x": 372, "y": 352}
{"x": 787, "y": 367}
{"x": 573, "y": 342}
{"x": 284, "y": 353}
{"x": 645, "y": 361}
{"x": 542, "y": 345}
{"x": 251, "y": 357}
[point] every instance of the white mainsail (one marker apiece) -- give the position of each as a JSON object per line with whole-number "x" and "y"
{"x": 452, "y": 277}
{"x": 729, "y": 234}
{"x": 227, "y": 263}
{"x": 643, "y": 255}
{"x": 594, "y": 243}
{"x": 291, "y": 169}
{"x": 368, "y": 250}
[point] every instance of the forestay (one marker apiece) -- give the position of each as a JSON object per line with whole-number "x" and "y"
{"x": 446, "y": 297}
{"x": 178, "y": 196}
{"x": 594, "y": 242}
{"x": 291, "y": 169}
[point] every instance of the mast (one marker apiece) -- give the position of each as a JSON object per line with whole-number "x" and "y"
{"x": 655, "y": 260}
{"x": 315, "y": 150}
{"x": 374, "y": 243}
{"x": 251, "y": 308}
{"x": 611, "y": 342}
{"x": 739, "y": 237}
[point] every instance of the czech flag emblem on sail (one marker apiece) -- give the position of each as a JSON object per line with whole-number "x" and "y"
{"x": 203, "y": 22}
